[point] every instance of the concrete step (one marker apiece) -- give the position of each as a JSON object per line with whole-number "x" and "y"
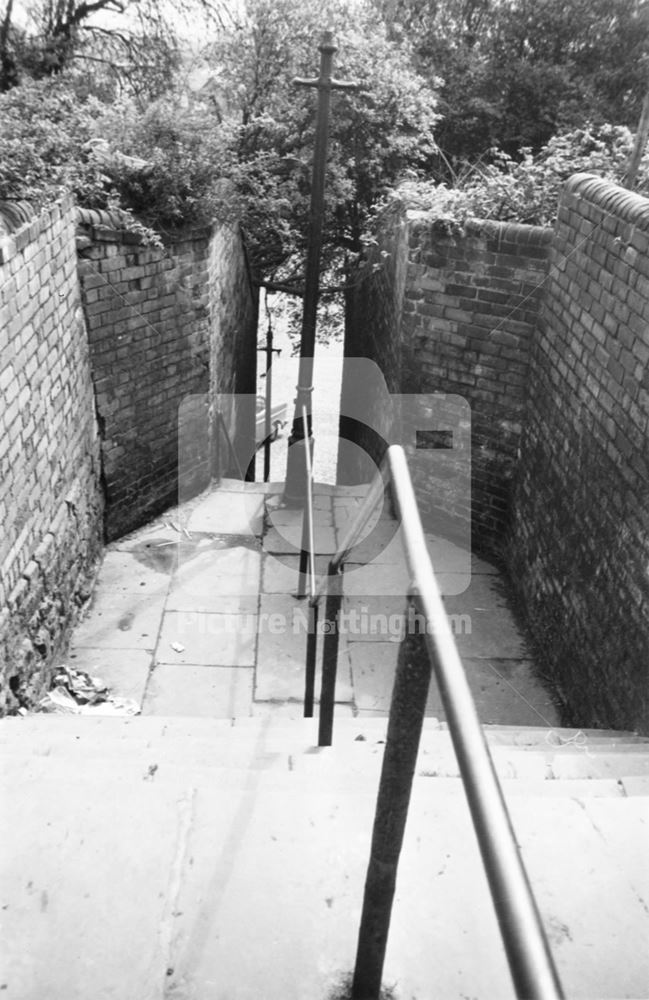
{"x": 297, "y": 728}
{"x": 288, "y": 773}
{"x": 263, "y": 744}
{"x": 142, "y": 889}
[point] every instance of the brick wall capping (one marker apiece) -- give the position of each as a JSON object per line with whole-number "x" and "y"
{"x": 626, "y": 204}
{"x": 510, "y": 232}
{"x": 506, "y": 232}
{"x": 116, "y": 227}
{"x": 16, "y": 214}
{"x": 22, "y": 222}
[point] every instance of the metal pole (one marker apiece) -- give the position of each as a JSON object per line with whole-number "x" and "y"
{"x": 269, "y": 401}
{"x": 268, "y": 350}
{"x": 217, "y": 448}
{"x": 330, "y": 661}
{"x": 311, "y": 651}
{"x": 294, "y": 489}
{"x": 407, "y": 711}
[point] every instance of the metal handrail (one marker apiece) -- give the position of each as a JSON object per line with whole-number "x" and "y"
{"x": 530, "y": 961}
{"x": 220, "y": 422}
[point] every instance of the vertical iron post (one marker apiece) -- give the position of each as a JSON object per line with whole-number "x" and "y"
{"x": 311, "y": 652}
{"x": 324, "y": 84}
{"x": 407, "y": 711}
{"x": 330, "y": 660}
{"x": 268, "y": 350}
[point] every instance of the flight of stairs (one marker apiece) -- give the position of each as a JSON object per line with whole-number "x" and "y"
{"x": 225, "y": 860}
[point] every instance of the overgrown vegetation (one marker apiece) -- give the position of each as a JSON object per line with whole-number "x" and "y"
{"x": 514, "y": 73}
{"x": 468, "y": 107}
{"x": 527, "y": 189}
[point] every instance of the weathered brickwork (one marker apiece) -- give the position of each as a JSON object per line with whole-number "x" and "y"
{"x": 373, "y": 327}
{"x": 579, "y": 543}
{"x": 155, "y": 337}
{"x": 459, "y": 320}
{"x": 233, "y": 305}
{"x": 50, "y": 498}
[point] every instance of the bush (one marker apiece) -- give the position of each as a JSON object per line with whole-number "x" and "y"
{"x": 162, "y": 165}
{"x": 527, "y": 190}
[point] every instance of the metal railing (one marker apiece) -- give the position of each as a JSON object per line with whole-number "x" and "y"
{"x": 530, "y": 961}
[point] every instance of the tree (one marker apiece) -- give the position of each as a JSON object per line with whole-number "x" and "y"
{"x": 377, "y": 133}
{"x": 515, "y": 72}
{"x": 127, "y": 43}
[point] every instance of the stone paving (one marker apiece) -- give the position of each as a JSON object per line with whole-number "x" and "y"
{"x": 196, "y": 614}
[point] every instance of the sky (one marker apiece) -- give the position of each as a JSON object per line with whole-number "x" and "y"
{"x": 193, "y": 30}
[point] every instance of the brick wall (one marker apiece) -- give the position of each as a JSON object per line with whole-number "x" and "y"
{"x": 458, "y": 312}
{"x": 579, "y": 543}
{"x": 50, "y": 499}
{"x": 233, "y": 305}
{"x": 164, "y": 326}
{"x": 373, "y": 307}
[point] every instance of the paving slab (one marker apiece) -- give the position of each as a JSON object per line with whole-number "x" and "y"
{"x": 127, "y": 572}
{"x": 231, "y": 513}
{"x": 217, "y": 578}
{"x": 493, "y": 631}
{"x": 453, "y": 564}
{"x": 280, "y": 572}
{"x": 507, "y": 692}
{"x": 276, "y": 517}
{"x": 197, "y": 690}
{"x": 376, "y": 580}
{"x": 227, "y": 640}
{"x": 375, "y": 619}
{"x": 383, "y": 544}
{"x": 281, "y": 652}
{"x": 321, "y": 502}
{"x": 135, "y": 627}
{"x": 227, "y": 485}
{"x": 287, "y": 538}
{"x": 164, "y": 531}
{"x": 125, "y": 671}
{"x": 373, "y": 667}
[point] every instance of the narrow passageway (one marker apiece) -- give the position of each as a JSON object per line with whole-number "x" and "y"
{"x": 205, "y": 838}
{"x": 196, "y": 613}
{"x": 326, "y": 396}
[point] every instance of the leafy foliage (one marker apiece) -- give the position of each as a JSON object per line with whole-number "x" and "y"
{"x": 516, "y": 72}
{"x": 376, "y": 133}
{"x": 44, "y": 134}
{"x": 527, "y": 190}
{"x": 160, "y": 165}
